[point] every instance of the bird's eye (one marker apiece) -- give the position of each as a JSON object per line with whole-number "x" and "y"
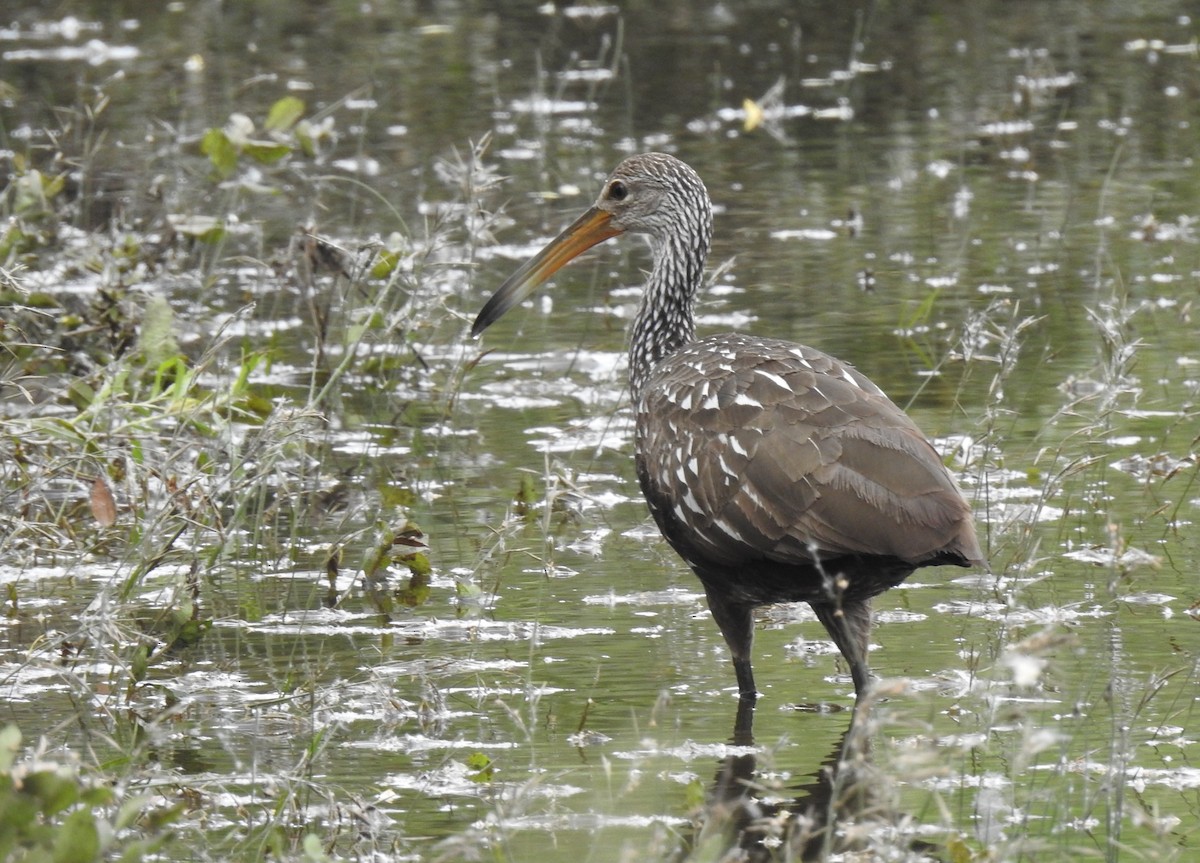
{"x": 617, "y": 191}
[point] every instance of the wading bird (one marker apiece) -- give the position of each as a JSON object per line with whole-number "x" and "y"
{"x": 778, "y": 473}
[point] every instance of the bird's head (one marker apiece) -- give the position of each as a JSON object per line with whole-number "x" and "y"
{"x": 654, "y": 194}
{"x": 651, "y": 193}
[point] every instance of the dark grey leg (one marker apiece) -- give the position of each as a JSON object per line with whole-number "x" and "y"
{"x": 849, "y": 625}
{"x": 736, "y": 623}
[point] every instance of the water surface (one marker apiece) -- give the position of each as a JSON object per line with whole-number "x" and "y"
{"x": 990, "y": 213}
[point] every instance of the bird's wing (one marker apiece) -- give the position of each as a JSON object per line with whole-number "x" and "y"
{"x": 770, "y": 449}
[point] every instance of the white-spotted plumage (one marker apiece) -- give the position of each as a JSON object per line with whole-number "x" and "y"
{"x": 783, "y": 459}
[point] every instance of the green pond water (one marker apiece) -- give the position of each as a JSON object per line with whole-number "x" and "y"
{"x": 989, "y": 208}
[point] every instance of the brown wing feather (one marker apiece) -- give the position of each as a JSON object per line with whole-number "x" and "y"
{"x": 762, "y": 448}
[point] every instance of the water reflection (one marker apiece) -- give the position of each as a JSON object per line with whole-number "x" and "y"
{"x": 745, "y": 818}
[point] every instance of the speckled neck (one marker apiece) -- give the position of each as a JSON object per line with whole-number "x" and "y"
{"x": 666, "y": 317}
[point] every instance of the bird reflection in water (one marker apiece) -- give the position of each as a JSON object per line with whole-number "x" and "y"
{"x": 844, "y": 810}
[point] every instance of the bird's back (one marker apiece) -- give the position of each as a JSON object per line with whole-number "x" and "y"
{"x": 757, "y": 450}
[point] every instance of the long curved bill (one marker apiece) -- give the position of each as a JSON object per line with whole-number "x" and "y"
{"x": 594, "y": 226}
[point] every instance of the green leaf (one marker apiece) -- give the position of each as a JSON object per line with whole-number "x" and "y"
{"x": 695, "y": 795}
{"x": 959, "y": 852}
{"x": 140, "y": 665}
{"x": 13, "y": 240}
{"x": 419, "y": 565}
{"x": 220, "y": 151}
{"x": 396, "y": 495}
{"x": 42, "y": 300}
{"x": 51, "y": 186}
{"x": 385, "y": 263}
{"x": 77, "y": 841}
{"x": 19, "y": 821}
{"x": 265, "y": 152}
{"x": 485, "y": 769}
{"x": 250, "y": 362}
{"x": 55, "y": 793}
{"x": 284, "y": 114}
{"x": 253, "y": 405}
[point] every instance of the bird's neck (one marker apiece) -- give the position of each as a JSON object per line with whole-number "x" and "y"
{"x": 665, "y": 320}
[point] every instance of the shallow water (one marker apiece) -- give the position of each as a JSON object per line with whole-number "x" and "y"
{"x": 1018, "y": 194}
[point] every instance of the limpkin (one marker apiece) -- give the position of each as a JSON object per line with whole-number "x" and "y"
{"x": 778, "y": 473}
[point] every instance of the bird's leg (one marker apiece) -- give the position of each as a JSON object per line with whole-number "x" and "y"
{"x": 745, "y": 679}
{"x": 848, "y": 623}
{"x": 736, "y": 622}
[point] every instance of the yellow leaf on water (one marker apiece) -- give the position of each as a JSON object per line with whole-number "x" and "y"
{"x": 754, "y": 114}
{"x": 104, "y": 508}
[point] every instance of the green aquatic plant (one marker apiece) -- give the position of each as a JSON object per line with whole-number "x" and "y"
{"x": 29, "y": 211}
{"x": 52, "y": 810}
{"x": 282, "y": 134}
